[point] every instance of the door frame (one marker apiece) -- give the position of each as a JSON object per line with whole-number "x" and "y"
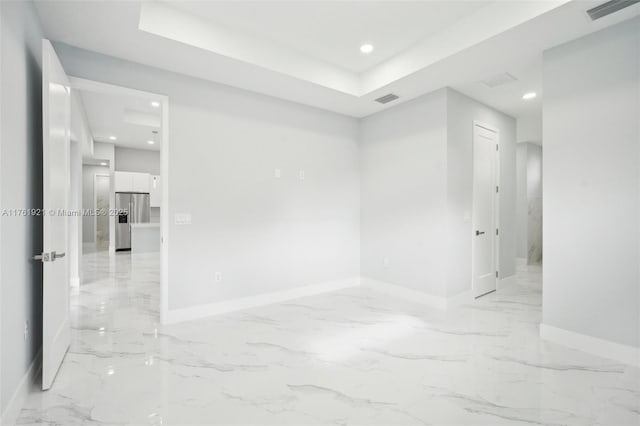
{"x": 100, "y": 87}
{"x": 95, "y": 206}
{"x": 496, "y": 200}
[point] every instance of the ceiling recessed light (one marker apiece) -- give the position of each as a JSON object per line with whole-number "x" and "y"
{"x": 155, "y": 104}
{"x": 366, "y": 48}
{"x": 113, "y": 138}
{"x": 150, "y": 142}
{"x": 529, "y": 95}
{"x": 103, "y": 164}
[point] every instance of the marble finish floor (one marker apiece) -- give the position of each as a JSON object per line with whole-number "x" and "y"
{"x": 351, "y": 357}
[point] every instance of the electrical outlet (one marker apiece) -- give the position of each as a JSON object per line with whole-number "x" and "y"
{"x": 26, "y": 330}
{"x": 218, "y": 277}
{"x": 385, "y": 262}
{"x": 183, "y": 218}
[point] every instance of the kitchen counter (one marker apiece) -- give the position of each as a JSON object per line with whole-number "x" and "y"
{"x": 145, "y": 237}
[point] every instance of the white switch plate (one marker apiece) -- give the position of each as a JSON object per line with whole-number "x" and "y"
{"x": 183, "y": 218}
{"x": 277, "y": 173}
{"x": 218, "y": 276}
{"x": 385, "y": 262}
{"x": 301, "y": 174}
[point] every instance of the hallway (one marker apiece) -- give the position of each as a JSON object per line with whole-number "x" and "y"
{"x": 349, "y": 357}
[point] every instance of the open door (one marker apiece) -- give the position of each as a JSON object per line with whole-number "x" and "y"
{"x": 56, "y": 118}
{"x": 485, "y": 205}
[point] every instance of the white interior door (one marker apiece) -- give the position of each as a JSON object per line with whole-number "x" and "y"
{"x": 485, "y": 200}
{"x": 56, "y": 112}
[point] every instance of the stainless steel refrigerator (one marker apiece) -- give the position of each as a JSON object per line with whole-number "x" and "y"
{"x": 131, "y": 208}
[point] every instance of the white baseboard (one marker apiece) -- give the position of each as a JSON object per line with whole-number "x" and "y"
{"x": 11, "y": 413}
{"x": 437, "y": 302}
{"x": 593, "y": 345}
{"x": 506, "y": 281}
{"x": 459, "y": 299}
{"x": 173, "y": 316}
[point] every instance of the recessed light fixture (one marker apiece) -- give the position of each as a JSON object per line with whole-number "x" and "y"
{"x": 155, "y": 104}
{"x": 103, "y": 164}
{"x": 529, "y": 95}
{"x": 366, "y": 48}
{"x": 150, "y": 142}
{"x": 113, "y": 138}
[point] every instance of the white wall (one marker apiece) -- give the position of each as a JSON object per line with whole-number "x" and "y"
{"x": 417, "y": 181}
{"x": 20, "y": 187}
{"x": 592, "y": 188}
{"x": 529, "y": 128}
{"x": 81, "y": 145}
{"x": 263, "y": 234}
{"x": 403, "y": 194}
{"x": 522, "y": 220}
{"x": 75, "y": 222}
{"x": 461, "y": 112}
{"x": 137, "y": 160}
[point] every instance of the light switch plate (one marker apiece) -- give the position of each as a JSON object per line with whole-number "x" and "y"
{"x": 277, "y": 173}
{"x": 183, "y": 218}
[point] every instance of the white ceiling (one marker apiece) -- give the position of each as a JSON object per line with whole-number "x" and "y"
{"x": 333, "y": 31}
{"x": 308, "y": 52}
{"x": 130, "y": 119}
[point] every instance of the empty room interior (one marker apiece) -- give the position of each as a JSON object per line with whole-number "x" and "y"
{"x": 320, "y": 212}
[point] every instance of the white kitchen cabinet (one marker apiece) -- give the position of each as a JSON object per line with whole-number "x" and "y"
{"x": 140, "y": 182}
{"x": 155, "y": 191}
{"x": 131, "y": 182}
{"x": 123, "y": 182}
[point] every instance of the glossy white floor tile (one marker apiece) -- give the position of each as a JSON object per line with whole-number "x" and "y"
{"x": 351, "y": 357}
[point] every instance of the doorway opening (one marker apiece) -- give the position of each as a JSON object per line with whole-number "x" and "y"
{"x": 126, "y": 156}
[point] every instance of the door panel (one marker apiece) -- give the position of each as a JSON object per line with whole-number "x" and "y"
{"x": 484, "y": 237}
{"x": 56, "y": 114}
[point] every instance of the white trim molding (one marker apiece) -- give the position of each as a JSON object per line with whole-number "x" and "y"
{"x": 592, "y": 345}
{"x": 74, "y": 281}
{"x": 436, "y": 302}
{"x": 201, "y": 311}
{"x": 15, "y": 404}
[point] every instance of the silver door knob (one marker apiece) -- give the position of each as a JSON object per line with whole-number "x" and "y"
{"x": 479, "y": 232}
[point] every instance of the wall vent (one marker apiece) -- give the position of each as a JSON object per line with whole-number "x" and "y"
{"x": 609, "y": 7}
{"x": 387, "y": 98}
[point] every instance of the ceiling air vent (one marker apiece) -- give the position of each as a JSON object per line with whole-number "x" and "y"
{"x": 499, "y": 80}
{"x": 609, "y": 7}
{"x": 387, "y": 98}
